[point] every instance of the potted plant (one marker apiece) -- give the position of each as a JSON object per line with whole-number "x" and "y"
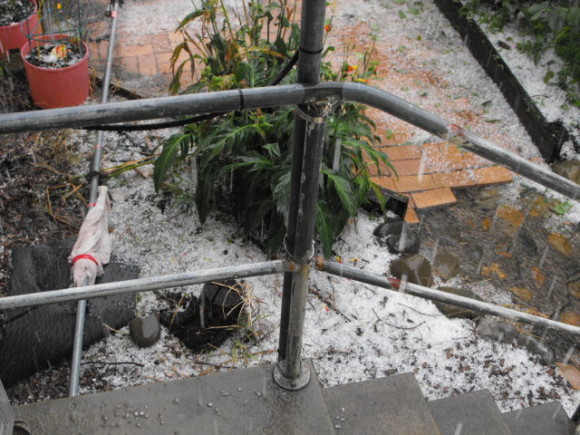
{"x": 57, "y": 69}
{"x": 17, "y": 19}
{"x": 57, "y": 61}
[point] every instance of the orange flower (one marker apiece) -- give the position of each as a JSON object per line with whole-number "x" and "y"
{"x": 328, "y": 27}
{"x": 59, "y": 51}
{"x": 351, "y": 68}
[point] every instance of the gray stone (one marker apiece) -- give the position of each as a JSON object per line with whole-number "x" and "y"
{"x": 535, "y": 346}
{"x": 569, "y": 169}
{"x": 406, "y": 242}
{"x": 452, "y": 311}
{"x": 445, "y": 264}
{"x": 391, "y": 225}
{"x": 415, "y": 267}
{"x": 35, "y": 337}
{"x": 472, "y": 254}
{"x": 145, "y": 331}
{"x": 495, "y": 330}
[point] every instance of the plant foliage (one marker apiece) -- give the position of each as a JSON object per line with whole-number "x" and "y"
{"x": 548, "y": 24}
{"x": 244, "y": 157}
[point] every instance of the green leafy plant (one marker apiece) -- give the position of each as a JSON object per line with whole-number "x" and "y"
{"x": 547, "y": 24}
{"x": 243, "y": 158}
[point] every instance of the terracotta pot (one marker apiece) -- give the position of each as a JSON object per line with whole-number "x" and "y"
{"x": 14, "y": 36}
{"x": 61, "y": 87}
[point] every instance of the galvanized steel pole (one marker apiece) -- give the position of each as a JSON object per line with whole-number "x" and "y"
{"x": 145, "y": 284}
{"x": 309, "y": 128}
{"x": 428, "y": 293}
{"x": 95, "y": 178}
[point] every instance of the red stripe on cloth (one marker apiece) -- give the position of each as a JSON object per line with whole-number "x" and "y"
{"x": 85, "y": 257}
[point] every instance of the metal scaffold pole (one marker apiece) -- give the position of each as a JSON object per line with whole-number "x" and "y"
{"x": 309, "y": 128}
{"x": 82, "y": 304}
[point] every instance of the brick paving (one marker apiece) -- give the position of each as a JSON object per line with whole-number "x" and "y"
{"x": 425, "y": 172}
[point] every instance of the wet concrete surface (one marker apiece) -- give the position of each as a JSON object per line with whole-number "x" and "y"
{"x": 517, "y": 244}
{"x": 237, "y": 402}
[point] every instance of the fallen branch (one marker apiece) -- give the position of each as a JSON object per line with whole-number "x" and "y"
{"x": 402, "y": 327}
{"x": 328, "y": 302}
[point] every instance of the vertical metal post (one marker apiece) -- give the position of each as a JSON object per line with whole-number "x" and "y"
{"x": 309, "y": 128}
{"x": 82, "y": 304}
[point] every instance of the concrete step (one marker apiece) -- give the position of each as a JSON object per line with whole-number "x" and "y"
{"x": 392, "y": 405}
{"x": 549, "y": 418}
{"x": 473, "y": 413}
{"x": 244, "y": 401}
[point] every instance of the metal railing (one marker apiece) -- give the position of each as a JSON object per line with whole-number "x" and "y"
{"x": 313, "y": 98}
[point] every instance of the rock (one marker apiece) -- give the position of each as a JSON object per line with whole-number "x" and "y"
{"x": 574, "y": 289}
{"x": 570, "y": 317}
{"x": 571, "y": 374}
{"x": 560, "y": 243}
{"x": 406, "y": 242}
{"x": 221, "y": 301}
{"x": 495, "y": 330}
{"x": 43, "y": 335}
{"x": 445, "y": 264}
{"x": 391, "y": 225}
{"x": 511, "y": 215}
{"x": 540, "y": 206}
{"x": 522, "y": 293}
{"x": 452, "y": 311}
{"x": 415, "y": 267}
{"x": 204, "y": 325}
{"x": 535, "y": 346}
{"x": 569, "y": 169}
{"x": 528, "y": 243}
{"x": 472, "y": 254}
{"x": 145, "y": 331}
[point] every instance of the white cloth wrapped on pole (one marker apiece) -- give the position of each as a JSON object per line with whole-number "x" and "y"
{"x": 92, "y": 249}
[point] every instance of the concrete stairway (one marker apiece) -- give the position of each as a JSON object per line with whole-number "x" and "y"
{"x": 248, "y": 402}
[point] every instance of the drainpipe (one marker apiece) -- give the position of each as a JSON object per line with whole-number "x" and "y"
{"x": 289, "y": 372}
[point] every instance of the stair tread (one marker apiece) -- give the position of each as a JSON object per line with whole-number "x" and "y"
{"x": 391, "y": 405}
{"x": 239, "y": 401}
{"x": 549, "y": 418}
{"x": 474, "y": 413}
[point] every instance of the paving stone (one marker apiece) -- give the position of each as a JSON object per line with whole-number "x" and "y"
{"x": 402, "y": 152}
{"x": 407, "y": 167}
{"x": 411, "y": 216}
{"x": 385, "y": 182}
{"x": 388, "y": 406}
{"x": 244, "y": 401}
{"x": 143, "y": 49}
{"x": 492, "y": 175}
{"x": 434, "y": 197}
{"x": 473, "y": 413}
{"x": 549, "y": 418}
{"x": 414, "y": 183}
{"x": 148, "y": 65}
{"x": 455, "y": 179}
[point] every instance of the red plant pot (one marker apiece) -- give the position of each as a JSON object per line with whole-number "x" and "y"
{"x": 13, "y": 36}
{"x": 61, "y": 87}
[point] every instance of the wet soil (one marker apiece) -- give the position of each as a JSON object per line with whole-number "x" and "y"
{"x": 520, "y": 246}
{"x": 56, "y": 55}
{"x": 42, "y": 198}
{"x": 14, "y": 11}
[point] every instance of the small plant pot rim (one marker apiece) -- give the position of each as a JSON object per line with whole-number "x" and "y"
{"x": 12, "y": 36}
{"x": 26, "y": 49}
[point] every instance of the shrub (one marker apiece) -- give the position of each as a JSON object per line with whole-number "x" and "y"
{"x": 243, "y": 158}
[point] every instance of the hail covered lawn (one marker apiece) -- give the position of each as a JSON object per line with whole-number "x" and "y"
{"x": 353, "y": 331}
